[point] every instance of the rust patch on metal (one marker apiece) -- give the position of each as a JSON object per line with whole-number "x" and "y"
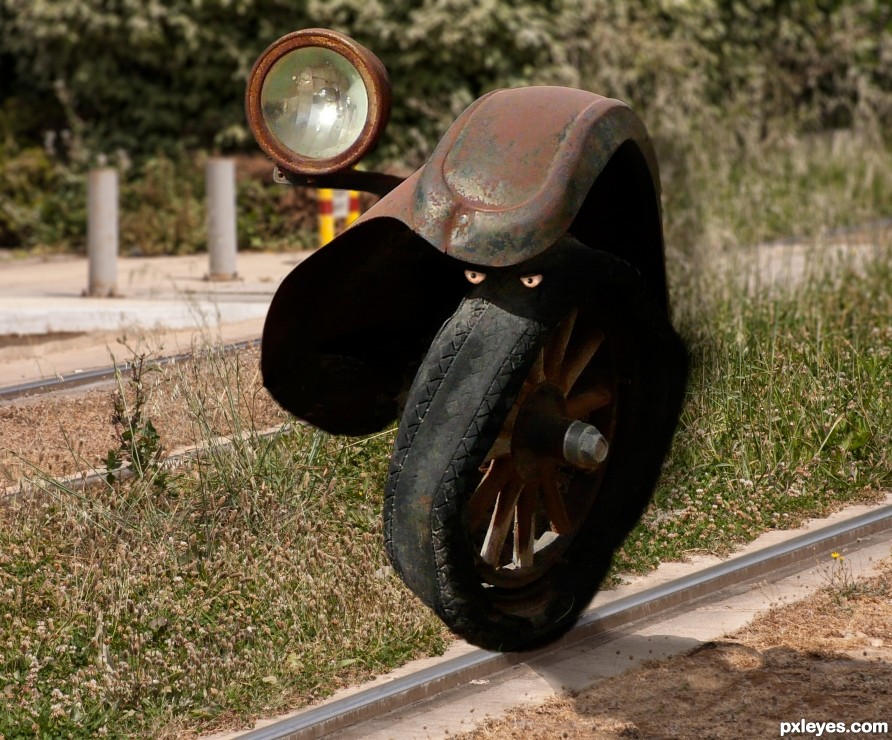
{"x": 512, "y": 172}
{"x": 499, "y": 163}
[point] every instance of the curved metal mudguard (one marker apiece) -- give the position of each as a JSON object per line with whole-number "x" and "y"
{"x": 348, "y": 328}
{"x": 521, "y": 167}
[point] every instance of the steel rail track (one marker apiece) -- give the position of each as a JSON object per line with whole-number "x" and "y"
{"x": 796, "y": 553}
{"x": 101, "y": 375}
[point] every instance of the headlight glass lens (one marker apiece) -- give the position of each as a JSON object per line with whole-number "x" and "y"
{"x": 314, "y": 102}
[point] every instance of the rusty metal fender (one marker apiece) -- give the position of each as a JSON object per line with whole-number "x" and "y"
{"x": 521, "y": 167}
{"x": 349, "y": 326}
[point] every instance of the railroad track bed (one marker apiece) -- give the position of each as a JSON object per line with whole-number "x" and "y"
{"x": 71, "y": 429}
{"x": 699, "y": 613}
{"x": 66, "y": 425}
{"x": 794, "y": 671}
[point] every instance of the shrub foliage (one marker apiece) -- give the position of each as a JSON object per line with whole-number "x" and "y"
{"x": 89, "y": 79}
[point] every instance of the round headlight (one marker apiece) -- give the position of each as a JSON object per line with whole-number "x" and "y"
{"x": 317, "y": 101}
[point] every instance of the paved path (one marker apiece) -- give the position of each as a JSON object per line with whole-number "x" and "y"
{"x": 48, "y": 327}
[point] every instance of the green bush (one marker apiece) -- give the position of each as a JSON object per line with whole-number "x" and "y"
{"x": 41, "y": 203}
{"x": 163, "y": 208}
{"x": 141, "y": 77}
{"x": 732, "y": 92}
{"x": 170, "y": 76}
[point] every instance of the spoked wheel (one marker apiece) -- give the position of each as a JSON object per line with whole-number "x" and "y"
{"x": 530, "y": 443}
{"x": 531, "y": 502}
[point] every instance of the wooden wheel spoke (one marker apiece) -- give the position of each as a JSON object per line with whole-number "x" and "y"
{"x": 502, "y": 445}
{"x": 583, "y": 404}
{"x": 483, "y": 500}
{"x": 508, "y": 505}
{"x": 557, "y": 347}
{"x": 500, "y": 523}
{"x": 525, "y": 526}
{"x": 537, "y": 372}
{"x": 554, "y": 506}
{"x": 578, "y": 358}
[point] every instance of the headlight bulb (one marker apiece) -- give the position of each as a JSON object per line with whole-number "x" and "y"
{"x": 314, "y": 102}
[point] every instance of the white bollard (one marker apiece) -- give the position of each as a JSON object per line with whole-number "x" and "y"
{"x": 102, "y": 232}
{"x": 220, "y": 180}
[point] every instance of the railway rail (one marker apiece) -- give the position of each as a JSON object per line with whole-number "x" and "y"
{"x": 598, "y": 624}
{"x": 82, "y": 380}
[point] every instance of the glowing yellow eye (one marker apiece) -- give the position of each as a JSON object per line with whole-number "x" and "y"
{"x": 475, "y": 277}
{"x": 531, "y": 281}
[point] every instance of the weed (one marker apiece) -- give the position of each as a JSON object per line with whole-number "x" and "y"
{"x": 139, "y": 444}
{"x": 841, "y": 584}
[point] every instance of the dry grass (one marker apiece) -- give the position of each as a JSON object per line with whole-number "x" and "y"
{"x": 69, "y": 432}
{"x": 734, "y": 189}
{"x": 251, "y": 580}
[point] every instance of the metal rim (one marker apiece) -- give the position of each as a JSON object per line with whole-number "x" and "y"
{"x": 528, "y": 508}
{"x": 374, "y": 77}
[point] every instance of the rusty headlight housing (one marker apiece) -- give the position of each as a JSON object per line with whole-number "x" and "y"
{"x": 317, "y": 101}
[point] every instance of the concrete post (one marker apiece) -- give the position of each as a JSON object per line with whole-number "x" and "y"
{"x": 220, "y": 180}
{"x": 102, "y": 232}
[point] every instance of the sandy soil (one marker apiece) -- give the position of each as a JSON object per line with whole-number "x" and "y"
{"x": 65, "y": 433}
{"x": 825, "y": 659}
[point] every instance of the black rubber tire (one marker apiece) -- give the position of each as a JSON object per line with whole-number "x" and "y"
{"x": 456, "y": 406}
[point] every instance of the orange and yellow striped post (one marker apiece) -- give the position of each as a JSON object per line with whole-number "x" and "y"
{"x": 326, "y": 216}
{"x": 353, "y": 213}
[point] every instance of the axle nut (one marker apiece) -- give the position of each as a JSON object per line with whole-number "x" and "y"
{"x": 584, "y": 445}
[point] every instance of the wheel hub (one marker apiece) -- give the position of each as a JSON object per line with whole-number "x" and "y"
{"x": 544, "y": 428}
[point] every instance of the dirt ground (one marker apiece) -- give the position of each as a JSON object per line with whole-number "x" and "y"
{"x": 825, "y": 659}
{"x": 72, "y": 432}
